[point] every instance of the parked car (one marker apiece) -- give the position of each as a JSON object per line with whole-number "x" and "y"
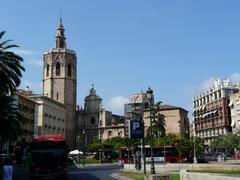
{"x": 211, "y": 156}
{"x": 236, "y": 155}
{"x": 200, "y": 159}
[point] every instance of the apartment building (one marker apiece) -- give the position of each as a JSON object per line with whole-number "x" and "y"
{"x": 211, "y": 113}
{"x": 26, "y": 108}
{"x": 49, "y": 116}
{"x": 235, "y": 111}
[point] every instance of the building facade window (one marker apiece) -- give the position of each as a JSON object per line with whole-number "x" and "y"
{"x": 47, "y": 74}
{"x": 58, "y": 71}
{"x": 69, "y": 70}
{"x": 93, "y": 120}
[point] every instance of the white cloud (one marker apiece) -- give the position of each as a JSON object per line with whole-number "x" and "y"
{"x": 207, "y": 83}
{"x": 36, "y": 87}
{"x": 21, "y": 52}
{"x": 235, "y": 78}
{"x": 35, "y": 62}
{"x": 116, "y": 104}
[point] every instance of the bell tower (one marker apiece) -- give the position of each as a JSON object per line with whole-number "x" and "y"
{"x": 60, "y": 79}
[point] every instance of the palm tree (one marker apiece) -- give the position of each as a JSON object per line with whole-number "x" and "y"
{"x": 10, "y": 67}
{"x": 10, "y": 119}
{"x": 10, "y": 74}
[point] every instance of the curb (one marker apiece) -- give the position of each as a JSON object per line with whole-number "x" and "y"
{"x": 117, "y": 176}
{"x": 87, "y": 165}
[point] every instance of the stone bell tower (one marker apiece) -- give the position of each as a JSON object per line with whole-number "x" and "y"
{"x": 60, "y": 79}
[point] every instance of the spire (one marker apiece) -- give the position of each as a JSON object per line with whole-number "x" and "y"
{"x": 60, "y": 41}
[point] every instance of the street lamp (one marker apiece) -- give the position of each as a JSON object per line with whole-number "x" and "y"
{"x": 84, "y": 136}
{"x": 194, "y": 145}
{"x": 151, "y": 101}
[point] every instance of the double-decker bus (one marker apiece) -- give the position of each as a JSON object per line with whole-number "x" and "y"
{"x": 48, "y": 157}
{"x": 160, "y": 154}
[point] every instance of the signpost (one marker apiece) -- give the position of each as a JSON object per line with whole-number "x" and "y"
{"x": 135, "y": 129}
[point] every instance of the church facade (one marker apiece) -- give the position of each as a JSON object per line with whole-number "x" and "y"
{"x": 93, "y": 122}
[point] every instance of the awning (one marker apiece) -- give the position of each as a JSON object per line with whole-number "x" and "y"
{"x": 231, "y": 103}
{"x": 233, "y": 123}
{"x": 75, "y": 152}
{"x": 203, "y": 107}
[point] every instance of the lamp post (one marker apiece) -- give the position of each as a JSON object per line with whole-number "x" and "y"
{"x": 194, "y": 145}
{"x": 150, "y": 100}
{"x": 84, "y": 136}
{"x": 194, "y": 150}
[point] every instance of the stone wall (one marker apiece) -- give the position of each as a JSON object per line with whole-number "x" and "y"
{"x": 185, "y": 175}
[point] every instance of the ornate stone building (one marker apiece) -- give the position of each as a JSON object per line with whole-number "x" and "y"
{"x": 176, "y": 118}
{"x": 94, "y": 122}
{"x": 60, "y": 78}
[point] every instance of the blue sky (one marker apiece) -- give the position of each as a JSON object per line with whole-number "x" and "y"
{"x": 123, "y": 46}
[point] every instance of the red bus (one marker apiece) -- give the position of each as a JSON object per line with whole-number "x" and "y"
{"x": 126, "y": 155}
{"x": 161, "y": 154}
{"x": 48, "y": 157}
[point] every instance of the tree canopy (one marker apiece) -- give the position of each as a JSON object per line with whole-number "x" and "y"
{"x": 10, "y": 78}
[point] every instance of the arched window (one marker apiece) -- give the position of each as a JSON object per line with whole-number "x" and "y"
{"x": 93, "y": 120}
{"x": 47, "y": 70}
{"x": 61, "y": 43}
{"x": 109, "y": 134}
{"x": 69, "y": 70}
{"x": 57, "y": 69}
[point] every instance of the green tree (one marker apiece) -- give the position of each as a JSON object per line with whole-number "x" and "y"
{"x": 158, "y": 124}
{"x": 229, "y": 142}
{"x": 10, "y": 67}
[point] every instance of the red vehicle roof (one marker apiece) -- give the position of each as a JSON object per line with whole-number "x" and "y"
{"x": 49, "y": 137}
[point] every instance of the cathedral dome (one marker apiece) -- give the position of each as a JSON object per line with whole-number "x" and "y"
{"x": 93, "y": 101}
{"x": 93, "y": 96}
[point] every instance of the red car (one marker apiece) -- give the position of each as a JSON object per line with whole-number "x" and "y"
{"x": 236, "y": 155}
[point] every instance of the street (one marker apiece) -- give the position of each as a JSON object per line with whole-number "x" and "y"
{"x": 93, "y": 172}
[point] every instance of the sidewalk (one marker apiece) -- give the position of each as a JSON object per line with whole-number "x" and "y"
{"x": 97, "y": 164}
{"x": 117, "y": 176}
{"x": 21, "y": 173}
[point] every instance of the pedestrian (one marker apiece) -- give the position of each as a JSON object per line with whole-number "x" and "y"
{"x": 7, "y": 170}
{"x": 14, "y": 164}
{"x": 83, "y": 161}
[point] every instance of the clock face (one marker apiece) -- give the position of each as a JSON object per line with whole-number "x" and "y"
{"x": 137, "y": 99}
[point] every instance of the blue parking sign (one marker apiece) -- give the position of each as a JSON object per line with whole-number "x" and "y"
{"x": 135, "y": 129}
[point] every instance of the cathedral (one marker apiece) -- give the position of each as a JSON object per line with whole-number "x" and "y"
{"x": 82, "y": 125}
